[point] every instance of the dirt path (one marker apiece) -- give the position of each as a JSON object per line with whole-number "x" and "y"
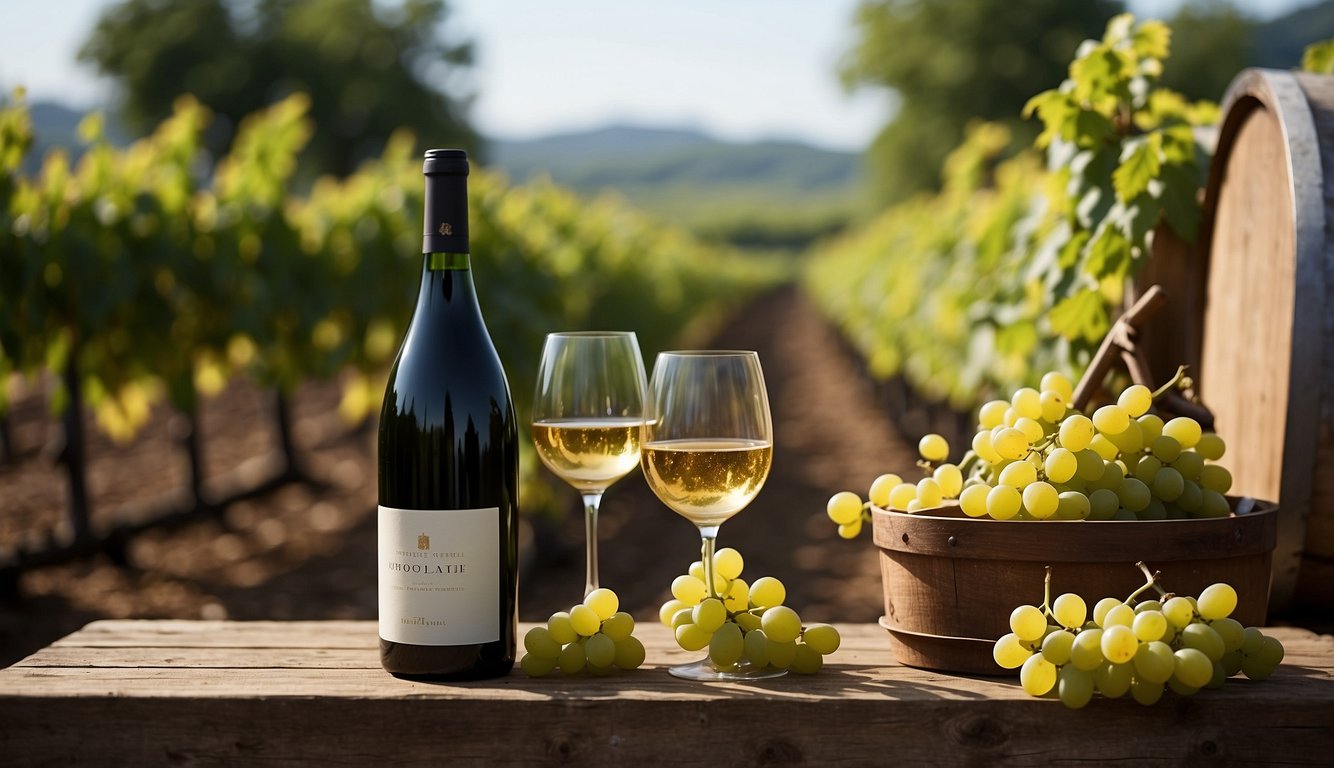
{"x": 309, "y": 554}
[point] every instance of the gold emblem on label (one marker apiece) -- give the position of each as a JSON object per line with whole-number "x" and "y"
{"x": 423, "y": 541}
{"x": 446, "y": 229}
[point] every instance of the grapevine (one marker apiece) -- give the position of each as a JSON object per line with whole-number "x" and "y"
{"x": 1137, "y": 646}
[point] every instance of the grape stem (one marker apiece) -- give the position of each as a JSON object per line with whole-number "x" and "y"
{"x": 1046, "y": 594}
{"x": 1151, "y": 581}
{"x": 1171, "y": 384}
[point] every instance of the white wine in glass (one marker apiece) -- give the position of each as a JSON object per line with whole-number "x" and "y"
{"x": 588, "y": 411}
{"x": 706, "y": 452}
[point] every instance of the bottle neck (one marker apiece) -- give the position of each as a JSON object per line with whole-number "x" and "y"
{"x": 446, "y": 285}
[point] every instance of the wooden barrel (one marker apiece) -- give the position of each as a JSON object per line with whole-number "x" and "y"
{"x": 1252, "y": 316}
{"x": 950, "y": 582}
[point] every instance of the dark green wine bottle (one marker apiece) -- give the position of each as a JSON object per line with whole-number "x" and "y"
{"x": 448, "y": 467}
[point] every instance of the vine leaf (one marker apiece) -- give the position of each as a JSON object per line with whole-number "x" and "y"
{"x": 1141, "y": 160}
{"x": 1080, "y": 315}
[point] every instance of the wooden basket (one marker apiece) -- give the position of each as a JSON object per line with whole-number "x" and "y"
{"x": 950, "y": 582}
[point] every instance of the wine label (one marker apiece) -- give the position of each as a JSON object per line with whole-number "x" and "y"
{"x": 439, "y": 576}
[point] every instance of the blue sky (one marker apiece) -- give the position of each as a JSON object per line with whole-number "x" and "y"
{"x": 742, "y": 69}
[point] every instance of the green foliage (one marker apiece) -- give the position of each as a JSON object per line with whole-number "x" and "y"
{"x": 368, "y": 67}
{"x": 948, "y": 62}
{"x": 159, "y": 283}
{"x": 1016, "y": 269}
{"x": 1319, "y": 58}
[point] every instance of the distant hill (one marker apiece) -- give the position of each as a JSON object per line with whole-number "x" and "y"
{"x": 1279, "y": 43}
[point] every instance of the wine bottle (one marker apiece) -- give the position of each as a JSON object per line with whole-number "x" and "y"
{"x": 448, "y": 467}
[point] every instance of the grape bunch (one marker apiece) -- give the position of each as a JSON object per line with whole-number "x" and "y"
{"x": 1036, "y": 458}
{"x": 592, "y": 636}
{"x": 743, "y": 623}
{"x": 1177, "y": 642}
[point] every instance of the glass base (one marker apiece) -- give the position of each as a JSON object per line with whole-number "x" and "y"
{"x": 704, "y": 670}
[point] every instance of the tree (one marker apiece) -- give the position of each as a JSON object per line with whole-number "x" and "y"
{"x": 1211, "y": 43}
{"x": 948, "y": 62}
{"x": 368, "y": 67}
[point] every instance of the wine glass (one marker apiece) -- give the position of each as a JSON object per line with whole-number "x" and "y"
{"x": 587, "y": 415}
{"x": 706, "y": 451}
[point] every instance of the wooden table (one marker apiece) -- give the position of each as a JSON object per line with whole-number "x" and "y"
{"x": 166, "y": 692}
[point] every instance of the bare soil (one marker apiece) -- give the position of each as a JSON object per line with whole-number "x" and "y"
{"x": 308, "y": 551}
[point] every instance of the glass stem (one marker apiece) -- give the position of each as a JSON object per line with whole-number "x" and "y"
{"x": 592, "y": 499}
{"x": 709, "y": 533}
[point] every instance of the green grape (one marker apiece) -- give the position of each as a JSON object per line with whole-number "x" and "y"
{"x": 1232, "y": 661}
{"x": 1146, "y": 692}
{"x": 1181, "y": 689}
{"x": 1178, "y": 611}
{"x": 536, "y": 666}
{"x": 1003, "y": 502}
{"x": 689, "y": 589}
{"x": 950, "y": 480}
{"x": 1101, "y": 608}
{"x": 1053, "y": 406}
{"x": 572, "y": 658}
{"x": 1135, "y": 400}
{"x": 1154, "y": 662}
{"x": 1072, "y": 505}
{"x": 1148, "y": 605}
{"x": 982, "y": 447}
{"x": 1027, "y": 401}
{"x": 584, "y": 620}
{"x": 1193, "y": 667}
{"x": 738, "y": 596}
{"x": 668, "y": 610}
{"x": 1009, "y": 652}
{"x": 767, "y": 592}
{"x": 843, "y": 508}
{"x": 822, "y": 638}
{"x": 973, "y": 500}
{"x": 915, "y": 505}
{"x": 781, "y": 654}
{"x": 1032, "y": 430}
{"x": 929, "y": 492}
{"x": 696, "y": 569}
{"x": 805, "y": 661}
{"x": 1271, "y": 651}
{"x": 1134, "y": 494}
{"x": 1124, "y": 514}
{"x": 1211, "y": 446}
{"x": 1217, "y": 601}
{"x": 1070, "y": 610}
{"x": 1166, "y": 448}
{"x": 1155, "y": 511}
{"x": 1255, "y": 669}
{"x": 1146, "y": 469}
{"x": 1076, "y": 432}
{"x": 561, "y": 629}
{"x": 1130, "y": 440}
{"x": 757, "y": 647}
{"x": 1056, "y": 647}
{"x": 1215, "y": 478}
{"x": 748, "y": 621}
{"x": 1113, "y": 680}
{"x": 726, "y": 646}
{"x": 1168, "y": 484}
{"x": 603, "y": 602}
{"x": 1230, "y": 631}
{"x": 1202, "y": 637}
{"x": 629, "y": 653}
{"x": 1191, "y": 498}
{"x": 710, "y": 614}
{"x": 1018, "y": 474}
{"x": 539, "y": 643}
{"x": 1028, "y": 623}
{"x": 1213, "y": 504}
{"x": 1089, "y": 465}
{"x": 1219, "y": 678}
{"x": 1009, "y": 443}
{"x": 1149, "y": 625}
{"x": 600, "y": 650}
{"x": 1151, "y": 426}
{"x": 902, "y": 495}
{"x": 691, "y": 637}
{"x": 1106, "y": 449}
{"x": 1184, "y": 430}
{"x": 1111, "y": 419}
{"x": 619, "y": 626}
{"x": 879, "y": 496}
{"x": 1189, "y": 464}
{"x": 1119, "y": 644}
{"x": 1060, "y": 465}
{"x": 1037, "y": 675}
{"x": 992, "y": 414}
{"x": 1041, "y": 500}
{"x": 1055, "y": 381}
{"x": 851, "y": 530}
{"x": 1119, "y": 615}
{"x": 1086, "y": 653}
{"x": 781, "y": 624}
{"x": 1103, "y": 504}
{"x": 933, "y": 448}
{"x": 1074, "y": 686}
{"x": 683, "y": 616}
